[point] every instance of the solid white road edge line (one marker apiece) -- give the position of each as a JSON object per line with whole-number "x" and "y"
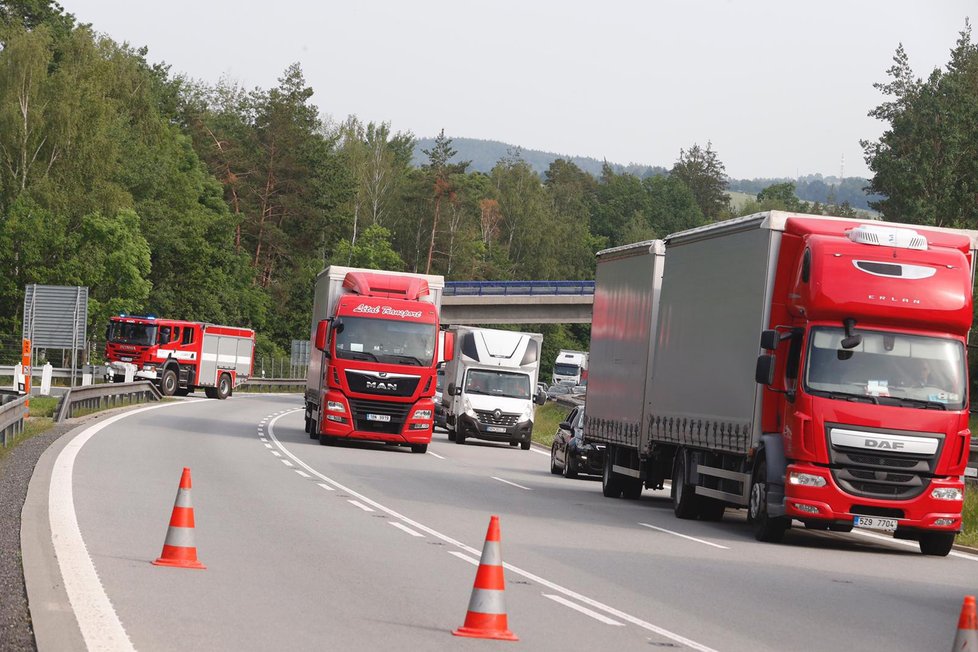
{"x": 909, "y": 544}
{"x": 435, "y": 455}
{"x": 99, "y": 624}
{"x": 662, "y": 529}
{"x": 665, "y": 633}
{"x": 584, "y": 610}
{"x": 510, "y": 483}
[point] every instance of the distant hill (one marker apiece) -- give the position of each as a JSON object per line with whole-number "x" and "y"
{"x": 484, "y": 154}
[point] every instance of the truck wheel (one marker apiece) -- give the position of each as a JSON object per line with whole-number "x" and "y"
{"x": 937, "y": 544}
{"x": 685, "y": 502}
{"x": 766, "y": 528}
{"x": 210, "y": 392}
{"x": 168, "y": 383}
{"x": 183, "y": 391}
{"x": 711, "y": 509}
{"x": 632, "y": 489}
{"x": 451, "y": 433}
{"x": 223, "y": 387}
{"x": 419, "y": 448}
{"x": 459, "y": 437}
{"x": 610, "y": 483}
{"x": 553, "y": 460}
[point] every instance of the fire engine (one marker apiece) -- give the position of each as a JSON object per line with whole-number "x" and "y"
{"x": 179, "y": 356}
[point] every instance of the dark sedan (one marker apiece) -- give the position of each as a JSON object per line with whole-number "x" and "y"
{"x": 569, "y": 454}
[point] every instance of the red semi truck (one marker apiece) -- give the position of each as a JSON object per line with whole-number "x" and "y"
{"x": 179, "y": 356}
{"x": 377, "y": 334}
{"x": 811, "y": 369}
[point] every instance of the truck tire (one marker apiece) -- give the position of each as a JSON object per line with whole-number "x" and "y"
{"x": 711, "y": 509}
{"x": 419, "y": 448}
{"x": 685, "y": 502}
{"x": 610, "y": 482}
{"x": 168, "y": 383}
{"x": 451, "y": 433}
{"x": 459, "y": 437}
{"x": 210, "y": 392}
{"x": 937, "y": 544}
{"x": 632, "y": 488}
{"x": 766, "y": 528}
{"x": 223, "y": 387}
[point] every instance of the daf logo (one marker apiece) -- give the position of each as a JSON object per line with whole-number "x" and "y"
{"x": 883, "y": 443}
{"x": 497, "y": 414}
{"x": 392, "y": 387}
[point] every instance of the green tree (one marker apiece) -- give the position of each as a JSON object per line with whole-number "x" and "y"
{"x": 706, "y": 177}
{"x": 371, "y": 251}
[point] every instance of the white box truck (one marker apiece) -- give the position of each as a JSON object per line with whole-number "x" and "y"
{"x": 491, "y": 385}
{"x": 570, "y": 368}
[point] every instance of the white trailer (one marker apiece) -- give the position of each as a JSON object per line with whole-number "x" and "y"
{"x": 491, "y": 385}
{"x": 570, "y": 367}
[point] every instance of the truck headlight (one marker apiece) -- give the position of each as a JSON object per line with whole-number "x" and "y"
{"x": 335, "y": 406}
{"x": 947, "y": 493}
{"x": 422, "y": 414}
{"x": 805, "y": 479}
{"x": 149, "y": 367}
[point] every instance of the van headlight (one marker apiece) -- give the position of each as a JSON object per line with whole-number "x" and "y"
{"x": 467, "y": 407}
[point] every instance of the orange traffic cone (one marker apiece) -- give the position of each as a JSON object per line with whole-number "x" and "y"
{"x": 179, "y": 549}
{"x": 486, "y": 617}
{"x": 966, "y": 640}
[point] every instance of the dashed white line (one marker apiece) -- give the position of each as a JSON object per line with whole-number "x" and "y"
{"x": 511, "y": 483}
{"x": 401, "y": 526}
{"x": 303, "y": 473}
{"x": 661, "y": 529}
{"x": 584, "y": 610}
{"x": 357, "y": 503}
{"x": 286, "y": 462}
{"x": 325, "y": 486}
{"x": 268, "y": 446}
{"x": 276, "y": 454}
{"x": 435, "y": 455}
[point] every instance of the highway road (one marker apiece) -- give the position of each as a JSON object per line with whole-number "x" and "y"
{"x": 372, "y": 547}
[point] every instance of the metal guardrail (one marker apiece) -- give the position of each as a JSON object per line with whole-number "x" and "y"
{"x": 504, "y": 288}
{"x": 12, "y": 417}
{"x": 279, "y": 384}
{"x": 97, "y": 397}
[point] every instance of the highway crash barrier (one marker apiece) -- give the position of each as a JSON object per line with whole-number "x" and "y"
{"x": 486, "y": 616}
{"x": 108, "y": 395}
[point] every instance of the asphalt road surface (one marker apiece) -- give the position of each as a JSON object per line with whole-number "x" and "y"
{"x": 373, "y": 547}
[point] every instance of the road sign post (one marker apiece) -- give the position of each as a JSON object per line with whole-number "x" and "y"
{"x": 25, "y": 361}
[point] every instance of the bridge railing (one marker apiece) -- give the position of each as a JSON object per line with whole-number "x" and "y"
{"x": 502, "y": 288}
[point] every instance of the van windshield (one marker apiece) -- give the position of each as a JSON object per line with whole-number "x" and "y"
{"x": 887, "y": 368}
{"x": 497, "y": 383}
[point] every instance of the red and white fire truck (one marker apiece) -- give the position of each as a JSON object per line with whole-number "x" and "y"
{"x": 179, "y": 356}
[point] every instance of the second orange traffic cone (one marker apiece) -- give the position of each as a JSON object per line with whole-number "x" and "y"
{"x": 486, "y": 617}
{"x": 966, "y": 639}
{"x": 178, "y": 548}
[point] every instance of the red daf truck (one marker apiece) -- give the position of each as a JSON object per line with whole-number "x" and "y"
{"x": 179, "y": 356}
{"x": 377, "y": 334}
{"x": 811, "y": 369}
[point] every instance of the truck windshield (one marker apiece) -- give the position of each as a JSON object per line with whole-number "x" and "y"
{"x": 497, "y": 383}
{"x": 564, "y": 369}
{"x": 386, "y": 340}
{"x": 127, "y": 333}
{"x": 887, "y": 368}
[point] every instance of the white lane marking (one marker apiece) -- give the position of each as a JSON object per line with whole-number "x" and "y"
{"x": 584, "y": 610}
{"x": 510, "y": 483}
{"x": 303, "y": 473}
{"x": 621, "y": 615}
{"x": 360, "y": 505}
{"x": 540, "y": 452}
{"x": 268, "y": 446}
{"x": 276, "y": 454}
{"x": 436, "y": 455}
{"x": 325, "y": 486}
{"x": 286, "y": 462}
{"x": 401, "y": 526}
{"x": 909, "y": 544}
{"x": 99, "y": 624}
{"x": 474, "y": 562}
{"x": 677, "y": 534}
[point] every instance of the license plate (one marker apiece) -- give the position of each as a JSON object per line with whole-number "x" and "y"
{"x": 125, "y": 359}
{"x": 495, "y": 429}
{"x": 378, "y": 417}
{"x": 875, "y": 523}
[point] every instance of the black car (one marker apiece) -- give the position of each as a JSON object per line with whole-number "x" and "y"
{"x": 569, "y": 454}
{"x": 440, "y": 411}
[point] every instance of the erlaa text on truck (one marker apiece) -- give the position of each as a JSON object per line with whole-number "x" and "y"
{"x": 375, "y": 342}
{"x": 179, "y": 356}
{"x": 811, "y": 369}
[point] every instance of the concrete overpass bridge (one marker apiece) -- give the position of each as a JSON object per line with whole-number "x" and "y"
{"x": 517, "y": 302}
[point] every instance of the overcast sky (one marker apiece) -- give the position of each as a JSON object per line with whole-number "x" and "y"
{"x": 780, "y": 87}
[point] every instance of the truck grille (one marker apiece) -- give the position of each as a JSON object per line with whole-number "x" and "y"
{"x": 885, "y": 475}
{"x": 496, "y": 418}
{"x": 396, "y": 411}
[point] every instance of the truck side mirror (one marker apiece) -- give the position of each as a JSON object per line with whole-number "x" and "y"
{"x": 540, "y": 398}
{"x": 322, "y": 329}
{"x": 449, "y": 342}
{"x": 451, "y": 389}
{"x": 769, "y": 340}
{"x": 764, "y": 373}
